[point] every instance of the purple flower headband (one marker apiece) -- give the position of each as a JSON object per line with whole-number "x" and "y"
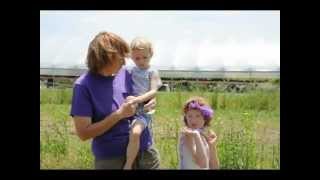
{"x": 205, "y": 110}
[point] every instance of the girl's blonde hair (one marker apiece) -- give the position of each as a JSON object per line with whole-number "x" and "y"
{"x": 141, "y": 43}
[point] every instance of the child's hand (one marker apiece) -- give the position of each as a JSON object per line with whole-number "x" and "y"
{"x": 131, "y": 99}
{"x": 211, "y": 138}
{"x": 150, "y": 105}
{"x": 189, "y": 132}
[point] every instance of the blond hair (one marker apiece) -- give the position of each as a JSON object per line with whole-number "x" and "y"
{"x": 105, "y": 48}
{"x": 141, "y": 43}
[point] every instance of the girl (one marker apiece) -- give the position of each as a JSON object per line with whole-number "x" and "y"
{"x": 197, "y": 149}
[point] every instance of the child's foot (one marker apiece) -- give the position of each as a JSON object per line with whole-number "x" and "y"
{"x": 128, "y": 167}
{"x": 151, "y": 112}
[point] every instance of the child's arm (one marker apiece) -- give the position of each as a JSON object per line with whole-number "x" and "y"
{"x": 155, "y": 83}
{"x": 214, "y": 161}
{"x": 212, "y": 140}
{"x": 198, "y": 153}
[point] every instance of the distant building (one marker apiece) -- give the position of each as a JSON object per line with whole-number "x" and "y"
{"x": 50, "y": 75}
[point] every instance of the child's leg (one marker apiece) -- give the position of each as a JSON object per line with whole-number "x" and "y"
{"x": 134, "y": 143}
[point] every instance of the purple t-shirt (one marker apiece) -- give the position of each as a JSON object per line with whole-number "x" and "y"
{"x": 97, "y": 96}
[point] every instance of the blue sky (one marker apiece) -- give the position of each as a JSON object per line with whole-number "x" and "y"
{"x": 208, "y": 40}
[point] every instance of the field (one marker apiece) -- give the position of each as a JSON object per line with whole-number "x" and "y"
{"x": 247, "y": 125}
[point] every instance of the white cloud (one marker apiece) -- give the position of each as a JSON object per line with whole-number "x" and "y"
{"x": 208, "y": 39}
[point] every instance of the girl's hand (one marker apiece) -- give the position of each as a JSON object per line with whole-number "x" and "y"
{"x": 189, "y": 132}
{"x": 150, "y": 105}
{"x": 211, "y": 138}
{"x": 131, "y": 99}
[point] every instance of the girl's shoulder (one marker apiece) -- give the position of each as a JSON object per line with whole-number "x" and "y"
{"x": 129, "y": 68}
{"x": 153, "y": 70}
{"x": 182, "y": 138}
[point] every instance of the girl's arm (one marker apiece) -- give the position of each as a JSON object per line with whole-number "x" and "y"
{"x": 201, "y": 156}
{"x": 214, "y": 161}
{"x": 155, "y": 83}
{"x": 198, "y": 153}
{"x": 211, "y": 139}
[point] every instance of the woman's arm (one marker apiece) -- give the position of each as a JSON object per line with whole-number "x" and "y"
{"x": 86, "y": 130}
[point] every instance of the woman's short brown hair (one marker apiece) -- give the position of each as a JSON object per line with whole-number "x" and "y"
{"x": 201, "y": 101}
{"x": 104, "y": 49}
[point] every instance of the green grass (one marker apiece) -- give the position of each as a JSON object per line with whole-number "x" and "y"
{"x": 247, "y": 125}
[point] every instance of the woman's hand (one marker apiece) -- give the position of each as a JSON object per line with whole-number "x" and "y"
{"x": 127, "y": 109}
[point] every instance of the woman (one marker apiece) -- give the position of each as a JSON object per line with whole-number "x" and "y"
{"x": 99, "y": 109}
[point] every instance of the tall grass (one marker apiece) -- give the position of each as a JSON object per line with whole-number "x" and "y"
{"x": 55, "y": 96}
{"x": 247, "y": 125}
